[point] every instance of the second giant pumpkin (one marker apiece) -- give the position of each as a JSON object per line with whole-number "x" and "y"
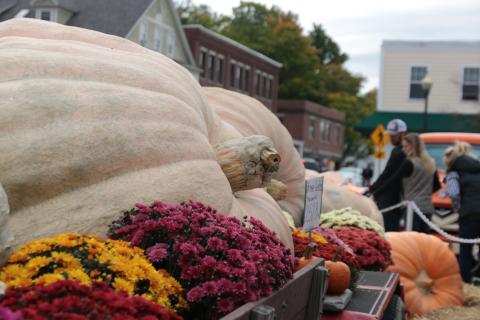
{"x": 249, "y": 116}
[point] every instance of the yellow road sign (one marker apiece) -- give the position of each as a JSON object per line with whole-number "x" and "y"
{"x": 379, "y": 136}
{"x": 379, "y": 154}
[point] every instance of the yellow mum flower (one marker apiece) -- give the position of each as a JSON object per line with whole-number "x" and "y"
{"x": 80, "y": 276}
{"x": 86, "y": 259}
{"x": 48, "y": 278}
{"x": 68, "y": 261}
{"x": 315, "y": 237}
{"x": 123, "y": 285}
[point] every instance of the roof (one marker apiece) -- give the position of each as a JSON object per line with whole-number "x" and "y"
{"x": 415, "y": 45}
{"x": 436, "y": 122}
{"x": 311, "y": 108}
{"x": 107, "y": 16}
{"x": 234, "y": 43}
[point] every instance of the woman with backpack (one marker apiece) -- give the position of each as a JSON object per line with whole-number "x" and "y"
{"x": 463, "y": 187}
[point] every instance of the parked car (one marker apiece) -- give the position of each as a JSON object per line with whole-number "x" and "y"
{"x": 311, "y": 164}
{"x": 352, "y": 175}
{"x": 436, "y": 143}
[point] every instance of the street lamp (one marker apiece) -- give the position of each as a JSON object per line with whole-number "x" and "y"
{"x": 427, "y": 84}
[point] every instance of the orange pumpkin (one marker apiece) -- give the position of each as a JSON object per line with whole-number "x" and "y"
{"x": 307, "y": 258}
{"x": 428, "y": 269}
{"x": 339, "y": 277}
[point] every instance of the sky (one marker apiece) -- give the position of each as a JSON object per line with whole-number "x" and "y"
{"x": 359, "y": 27}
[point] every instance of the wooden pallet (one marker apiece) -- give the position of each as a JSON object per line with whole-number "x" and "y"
{"x": 300, "y": 299}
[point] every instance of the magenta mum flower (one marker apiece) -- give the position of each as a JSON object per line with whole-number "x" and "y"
{"x": 221, "y": 262}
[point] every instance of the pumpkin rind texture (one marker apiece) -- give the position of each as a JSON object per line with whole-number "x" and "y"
{"x": 428, "y": 269}
{"x": 91, "y": 124}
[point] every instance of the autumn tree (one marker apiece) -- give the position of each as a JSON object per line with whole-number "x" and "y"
{"x": 313, "y": 65}
{"x": 192, "y": 14}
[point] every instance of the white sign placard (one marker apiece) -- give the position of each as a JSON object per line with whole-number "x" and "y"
{"x": 313, "y": 203}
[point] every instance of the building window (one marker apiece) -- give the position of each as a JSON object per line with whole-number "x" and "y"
{"x": 158, "y": 38}
{"x": 45, "y": 14}
{"x": 311, "y": 128}
{"x": 219, "y": 70}
{"x": 232, "y": 74}
{"x": 247, "y": 79}
{"x": 416, "y": 76}
{"x": 170, "y": 43}
{"x": 269, "y": 88}
{"x": 238, "y": 73}
{"x": 258, "y": 84}
{"x": 325, "y": 131}
{"x": 264, "y": 89}
{"x": 143, "y": 30}
{"x": 201, "y": 62}
{"x": 210, "y": 67}
{"x": 336, "y": 135}
{"x": 471, "y": 83}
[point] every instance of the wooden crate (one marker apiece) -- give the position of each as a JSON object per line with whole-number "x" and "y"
{"x": 300, "y": 299}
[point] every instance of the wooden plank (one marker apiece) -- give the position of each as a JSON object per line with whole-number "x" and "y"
{"x": 289, "y": 303}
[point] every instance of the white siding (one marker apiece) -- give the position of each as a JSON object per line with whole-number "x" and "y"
{"x": 159, "y": 15}
{"x": 445, "y": 67}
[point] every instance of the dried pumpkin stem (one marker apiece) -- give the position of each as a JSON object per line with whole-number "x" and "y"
{"x": 309, "y": 251}
{"x": 338, "y": 253}
{"x": 270, "y": 159}
{"x": 248, "y": 162}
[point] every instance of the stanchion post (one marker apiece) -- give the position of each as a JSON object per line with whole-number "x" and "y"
{"x": 409, "y": 222}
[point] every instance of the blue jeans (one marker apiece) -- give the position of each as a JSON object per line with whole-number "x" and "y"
{"x": 467, "y": 229}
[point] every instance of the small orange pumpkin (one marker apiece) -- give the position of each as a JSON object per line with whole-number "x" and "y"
{"x": 307, "y": 258}
{"x": 429, "y": 271}
{"x": 339, "y": 277}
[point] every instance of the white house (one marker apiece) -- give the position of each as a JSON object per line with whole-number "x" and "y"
{"x": 152, "y": 23}
{"x": 454, "y": 70}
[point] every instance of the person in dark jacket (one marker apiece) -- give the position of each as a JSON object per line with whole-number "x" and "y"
{"x": 461, "y": 161}
{"x": 386, "y": 197}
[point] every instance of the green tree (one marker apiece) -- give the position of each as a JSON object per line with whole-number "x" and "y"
{"x": 278, "y": 35}
{"x": 356, "y": 109}
{"x": 328, "y": 50}
{"x": 192, "y": 14}
{"x": 313, "y": 65}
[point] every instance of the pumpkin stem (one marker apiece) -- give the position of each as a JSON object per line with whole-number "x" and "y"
{"x": 309, "y": 251}
{"x": 270, "y": 159}
{"x": 248, "y": 162}
{"x": 338, "y": 253}
{"x": 424, "y": 282}
{"x": 278, "y": 190}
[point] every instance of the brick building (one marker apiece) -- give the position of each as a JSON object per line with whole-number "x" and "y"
{"x": 318, "y": 132}
{"x": 231, "y": 65}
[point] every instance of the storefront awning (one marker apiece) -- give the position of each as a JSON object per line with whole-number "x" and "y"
{"x": 436, "y": 122}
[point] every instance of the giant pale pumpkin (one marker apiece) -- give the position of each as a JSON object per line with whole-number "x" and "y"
{"x": 337, "y": 196}
{"x": 249, "y": 116}
{"x": 428, "y": 270}
{"x": 91, "y": 124}
{"x": 5, "y": 235}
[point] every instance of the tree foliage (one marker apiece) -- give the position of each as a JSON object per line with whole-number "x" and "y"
{"x": 313, "y": 65}
{"x": 202, "y": 14}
